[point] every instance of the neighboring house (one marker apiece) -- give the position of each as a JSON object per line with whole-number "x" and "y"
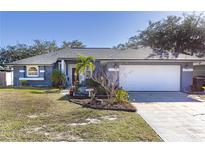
{"x": 199, "y": 69}
{"x": 6, "y": 77}
{"x": 199, "y": 76}
{"x": 138, "y": 70}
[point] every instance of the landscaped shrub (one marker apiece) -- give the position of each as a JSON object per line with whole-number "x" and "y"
{"x": 121, "y": 96}
{"x": 101, "y": 91}
{"x": 24, "y": 83}
{"x": 58, "y": 79}
{"x": 77, "y": 87}
{"x": 90, "y": 83}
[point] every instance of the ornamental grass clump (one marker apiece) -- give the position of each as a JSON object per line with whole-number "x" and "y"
{"x": 121, "y": 96}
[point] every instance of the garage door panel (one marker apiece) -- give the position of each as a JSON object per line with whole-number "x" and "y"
{"x": 150, "y": 77}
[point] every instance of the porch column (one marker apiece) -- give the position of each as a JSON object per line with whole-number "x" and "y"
{"x": 63, "y": 66}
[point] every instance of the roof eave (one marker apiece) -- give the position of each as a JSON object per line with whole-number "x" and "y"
{"x": 10, "y": 64}
{"x": 143, "y": 60}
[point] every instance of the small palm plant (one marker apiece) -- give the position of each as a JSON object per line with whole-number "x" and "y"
{"x": 84, "y": 63}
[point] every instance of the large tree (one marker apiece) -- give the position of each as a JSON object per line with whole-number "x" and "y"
{"x": 20, "y": 51}
{"x": 12, "y": 53}
{"x": 173, "y": 34}
{"x": 73, "y": 44}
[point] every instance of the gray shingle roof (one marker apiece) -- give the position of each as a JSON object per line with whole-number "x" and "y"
{"x": 44, "y": 59}
{"x": 100, "y": 53}
{"x": 1, "y": 68}
{"x": 6, "y": 69}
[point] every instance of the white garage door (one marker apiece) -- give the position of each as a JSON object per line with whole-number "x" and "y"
{"x": 150, "y": 77}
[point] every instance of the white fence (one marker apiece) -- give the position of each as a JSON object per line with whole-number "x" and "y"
{"x": 6, "y": 78}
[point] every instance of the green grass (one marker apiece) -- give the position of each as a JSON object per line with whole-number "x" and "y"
{"x": 30, "y": 89}
{"x": 45, "y": 115}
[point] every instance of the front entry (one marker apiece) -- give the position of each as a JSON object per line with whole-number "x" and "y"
{"x": 75, "y": 76}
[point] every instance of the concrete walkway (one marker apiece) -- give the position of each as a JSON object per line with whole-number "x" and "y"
{"x": 174, "y": 116}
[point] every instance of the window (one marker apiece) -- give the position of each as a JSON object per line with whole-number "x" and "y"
{"x": 88, "y": 73}
{"x": 32, "y": 71}
{"x": 59, "y": 65}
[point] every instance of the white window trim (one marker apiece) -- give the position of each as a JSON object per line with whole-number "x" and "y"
{"x": 187, "y": 70}
{"x": 21, "y": 71}
{"x": 59, "y": 65}
{"x": 113, "y": 69}
{"x": 32, "y": 79}
{"x": 27, "y": 68}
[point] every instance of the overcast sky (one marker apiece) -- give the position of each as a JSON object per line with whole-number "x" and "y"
{"x": 95, "y": 29}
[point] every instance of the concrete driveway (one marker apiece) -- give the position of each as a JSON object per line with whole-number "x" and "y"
{"x": 174, "y": 116}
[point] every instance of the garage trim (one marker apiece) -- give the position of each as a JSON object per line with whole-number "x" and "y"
{"x": 166, "y": 72}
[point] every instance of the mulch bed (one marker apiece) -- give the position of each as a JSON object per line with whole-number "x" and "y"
{"x": 103, "y": 104}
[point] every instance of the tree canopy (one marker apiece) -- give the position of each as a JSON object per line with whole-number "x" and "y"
{"x": 21, "y": 51}
{"x": 173, "y": 34}
{"x": 73, "y": 44}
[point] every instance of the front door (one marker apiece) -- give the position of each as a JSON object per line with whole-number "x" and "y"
{"x": 75, "y": 76}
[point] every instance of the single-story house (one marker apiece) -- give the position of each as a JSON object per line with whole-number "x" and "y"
{"x": 137, "y": 69}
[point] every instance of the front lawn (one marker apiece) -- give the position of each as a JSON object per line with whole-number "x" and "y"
{"x": 45, "y": 115}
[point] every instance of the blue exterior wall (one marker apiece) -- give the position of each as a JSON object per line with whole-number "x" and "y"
{"x": 18, "y": 74}
{"x": 186, "y": 72}
{"x": 46, "y": 75}
{"x": 186, "y": 76}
